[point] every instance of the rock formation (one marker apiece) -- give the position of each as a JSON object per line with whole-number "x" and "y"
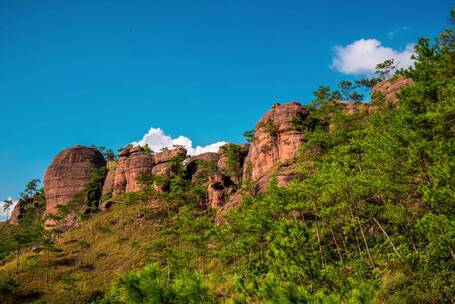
{"x": 276, "y": 143}
{"x": 137, "y": 160}
{"x": 196, "y": 166}
{"x": 168, "y": 155}
{"x": 68, "y": 174}
{"x": 16, "y": 214}
{"x": 272, "y": 152}
{"x": 216, "y": 190}
{"x": 232, "y": 158}
{"x": 108, "y": 186}
{"x": 389, "y": 88}
{"x": 22, "y": 206}
{"x": 132, "y": 162}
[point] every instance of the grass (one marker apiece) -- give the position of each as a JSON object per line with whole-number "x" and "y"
{"x": 90, "y": 256}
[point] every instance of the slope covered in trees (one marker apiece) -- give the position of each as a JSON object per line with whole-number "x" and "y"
{"x": 371, "y": 219}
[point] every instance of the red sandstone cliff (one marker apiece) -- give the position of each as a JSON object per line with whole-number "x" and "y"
{"x": 68, "y": 174}
{"x": 276, "y": 143}
{"x": 272, "y": 153}
{"x": 389, "y": 88}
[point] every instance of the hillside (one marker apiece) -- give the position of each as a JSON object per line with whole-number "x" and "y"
{"x": 338, "y": 201}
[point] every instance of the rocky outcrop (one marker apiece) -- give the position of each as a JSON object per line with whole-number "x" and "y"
{"x": 204, "y": 170}
{"x": 271, "y": 154}
{"x": 137, "y": 160}
{"x": 104, "y": 206}
{"x": 276, "y": 142}
{"x": 232, "y": 158}
{"x": 132, "y": 162}
{"x": 21, "y": 208}
{"x": 195, "y": 164}
{"x": 16, "y": 214}
{"x": 164, "y": 169}
{"x": 108, "y": 186}
{"x": 68, "y": 174}
{"x": 168, "y": 155}
{"x": 216, "y": 190}
{"x": 389, "y": 88}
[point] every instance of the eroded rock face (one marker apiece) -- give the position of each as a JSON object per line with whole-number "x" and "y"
{"x": 131, "y": 164}
{"x": 135, "y": 161}
{"x": 168, "y": 155}
{"x": 276, "y": 141}
{"x": 16, "y": 214}
{"x": 68, "y": 174}
{"x": 164, "y": 169}
{"x": 389, "y": 88}
{"x": 193, "y": 163}
{"x": 229, "y": 168}
{"x": 216, "y": 190}
{"x": 271, "y": 154}
{"x": 108, "y": 186}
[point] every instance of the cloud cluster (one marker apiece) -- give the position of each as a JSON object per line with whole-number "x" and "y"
{"x": 157, "y": 139}
{"x": 3, "y": 212}
{"x": 362, "y": 56}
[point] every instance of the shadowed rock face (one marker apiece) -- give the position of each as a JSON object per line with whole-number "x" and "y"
{"x": 276, "y": 140}
{"x": 193, "y": 163}
{"x": 108, "y": 186}
{"x": 389, "y": 88}
{"x": 223, "y": 162}
{"x": 216, "y": 190}
{"x": 68, "y": 174}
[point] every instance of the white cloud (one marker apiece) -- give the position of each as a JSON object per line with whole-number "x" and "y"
{"x": 3, "y": 213}
{"x": 362, "y": 56}
{"x": 157, "y": 139}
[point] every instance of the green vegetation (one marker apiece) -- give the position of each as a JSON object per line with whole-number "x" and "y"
{"x": 233, "y": 161}
{"x": 269, "y": 127}
{"x": 372, "y": 221}
{"x": 249, "y": 136}
{"x": 7, "y": 203}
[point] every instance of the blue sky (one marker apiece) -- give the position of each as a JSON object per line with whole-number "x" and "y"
{"x": 105, "y": 72}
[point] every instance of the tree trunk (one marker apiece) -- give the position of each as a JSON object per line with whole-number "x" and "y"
{"x": 320, "y": 246}
{"x": 356, "y": 234}
{"x": 336, "y": 245}
{"x": 452, "y": 253}
{"x": 17, "y": 261}
{"x": 47, "y": 266}
{"x": 235, "y": 254}
{"x": 387, "y": 236}
{"x": 411, "y": 238}
{"x": 344, "y": 241}
{"x": 366, "y": 243}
